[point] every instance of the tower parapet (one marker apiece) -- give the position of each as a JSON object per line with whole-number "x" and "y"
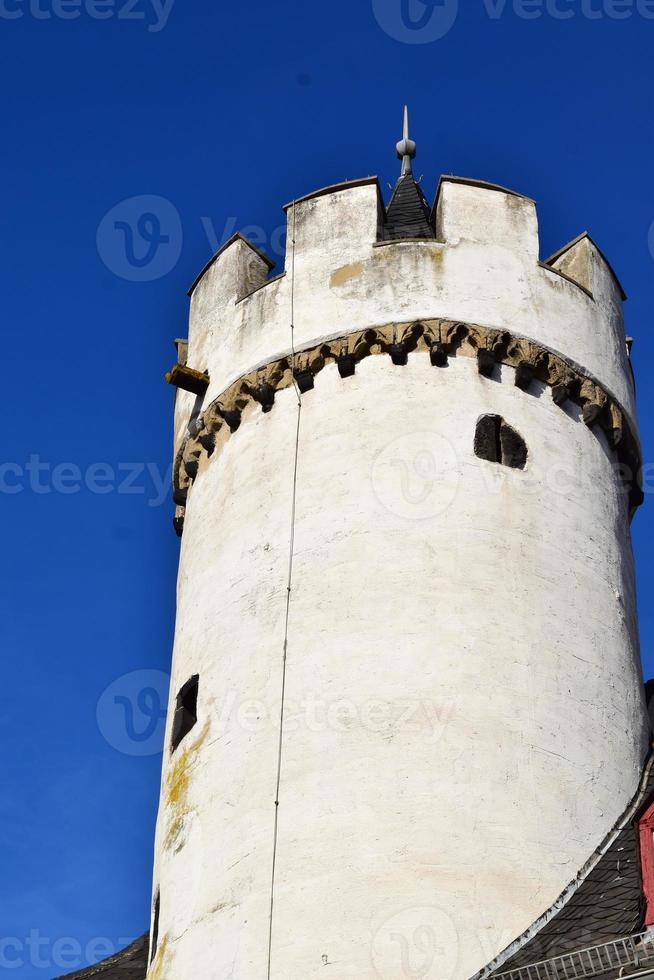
{"x": 481, "y": 267}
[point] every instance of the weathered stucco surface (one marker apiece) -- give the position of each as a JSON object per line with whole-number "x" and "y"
{"x": 464, "y": 716}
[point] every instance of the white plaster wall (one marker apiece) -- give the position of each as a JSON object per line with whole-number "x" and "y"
{"x": 464, "y": 710}
{"x": 485, "y": 270}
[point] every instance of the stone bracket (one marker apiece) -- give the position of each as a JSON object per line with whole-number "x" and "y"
{"x": 181, "y": 376}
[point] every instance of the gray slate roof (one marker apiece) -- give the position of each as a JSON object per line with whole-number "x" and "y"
{"x": 130, "y": 964}
{"x": 605, "y": 902}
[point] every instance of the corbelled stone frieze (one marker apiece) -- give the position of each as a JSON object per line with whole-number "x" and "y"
{"x": 441, "y": 339}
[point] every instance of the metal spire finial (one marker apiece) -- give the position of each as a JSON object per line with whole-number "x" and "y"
{"x": 406, "y": 148}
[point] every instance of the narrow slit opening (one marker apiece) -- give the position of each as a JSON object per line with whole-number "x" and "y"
{"x": 186, "y": 711}
{"x": 155, "y": 926}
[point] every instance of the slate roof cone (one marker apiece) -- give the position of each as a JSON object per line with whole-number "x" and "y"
{"x": 407, "y": 215}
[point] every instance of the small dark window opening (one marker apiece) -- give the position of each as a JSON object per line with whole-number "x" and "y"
{"x": 186, "y": 711}
{"x": 497, "y": 442}
{"x": 155, "y": 928}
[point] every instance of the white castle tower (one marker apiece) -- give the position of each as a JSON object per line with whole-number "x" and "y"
{"x": 406, "y": 703}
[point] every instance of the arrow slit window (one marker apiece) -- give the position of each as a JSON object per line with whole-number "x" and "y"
{"x": 186, "y": 711}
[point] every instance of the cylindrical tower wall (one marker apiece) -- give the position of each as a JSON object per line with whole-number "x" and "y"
{"x": 463, "y": 709}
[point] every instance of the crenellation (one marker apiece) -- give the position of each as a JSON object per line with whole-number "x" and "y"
{"x": 484, "y": 268}
{"x": 584, "y": 262}
{"x": 339, "y": 227}
{"x": 473, "y": 212}
{"x": 235, "y": 271}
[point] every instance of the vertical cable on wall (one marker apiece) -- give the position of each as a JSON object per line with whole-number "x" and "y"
{"x": 289, "y": 585}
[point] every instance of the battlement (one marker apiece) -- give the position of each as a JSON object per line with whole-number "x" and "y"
{"x": 477, "y": 261}
{"x": 235, "y": 271}
{"x": 585, "y": 263}
{"x": 467, "y": 210}
{"x": 336, "y": 224}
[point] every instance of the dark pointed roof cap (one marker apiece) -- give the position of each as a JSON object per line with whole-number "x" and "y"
{"x": 407, "y": 215}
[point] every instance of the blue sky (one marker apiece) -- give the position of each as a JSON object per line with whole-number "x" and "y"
{"x": 224, "y": 111}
